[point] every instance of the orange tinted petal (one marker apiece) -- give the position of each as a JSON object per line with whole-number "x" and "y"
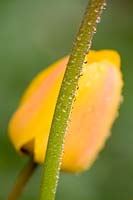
{"x": 32, "y": 120}
{"x": 93, "y": 113}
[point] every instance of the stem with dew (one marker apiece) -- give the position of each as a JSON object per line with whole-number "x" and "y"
{"x": 65, "y": 100}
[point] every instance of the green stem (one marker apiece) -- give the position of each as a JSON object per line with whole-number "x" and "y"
{"x": 22, "y": 179}
{"x": 65, "y": 100}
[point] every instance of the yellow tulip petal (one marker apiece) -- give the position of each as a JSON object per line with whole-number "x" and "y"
{"x": 94, "y": 110}
{"x": 33, "y": 117}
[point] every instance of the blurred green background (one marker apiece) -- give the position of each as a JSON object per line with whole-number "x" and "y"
{"x": 33, "y": 34}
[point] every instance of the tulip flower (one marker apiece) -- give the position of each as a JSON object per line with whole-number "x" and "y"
{"x": 94, "y": 110}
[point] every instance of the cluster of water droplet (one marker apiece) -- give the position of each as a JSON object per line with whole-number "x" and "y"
{"x": 64, "y": 110}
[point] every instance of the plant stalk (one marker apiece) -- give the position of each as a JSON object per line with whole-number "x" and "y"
{"x": 66, "y": 97}
{"x": 22, "y": 179}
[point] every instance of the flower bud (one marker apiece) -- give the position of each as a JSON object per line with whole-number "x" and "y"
{"x": 94, "y": 110}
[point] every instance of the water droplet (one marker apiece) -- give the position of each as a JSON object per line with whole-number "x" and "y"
{"x": 89, "y": 45}
{"x": 79, "y": 38}
{"x": 63, "y": 110}
{"x": 68, "y": 83}
{"x": 81, "y": 74}
{"x": 53, "y": 191}
{"x": 96, "y": 10}
{"x": 70, "y": 98}
{"x": 89, "y": 23}
{"x": 94, "y": 29}
{"x": 76, "y": 77}
{"x": 98, "y": 19}
{"x": 73, "y": 61}
{"x": 104, "y": 5}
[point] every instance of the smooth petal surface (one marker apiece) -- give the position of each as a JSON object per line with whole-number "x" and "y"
{"x": 94, "y": 110}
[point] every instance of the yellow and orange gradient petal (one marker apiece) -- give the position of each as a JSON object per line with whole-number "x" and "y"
{"x": 94, "y": 110}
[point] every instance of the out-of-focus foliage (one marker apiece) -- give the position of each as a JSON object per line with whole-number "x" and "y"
{"x": 33, "y": 34}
